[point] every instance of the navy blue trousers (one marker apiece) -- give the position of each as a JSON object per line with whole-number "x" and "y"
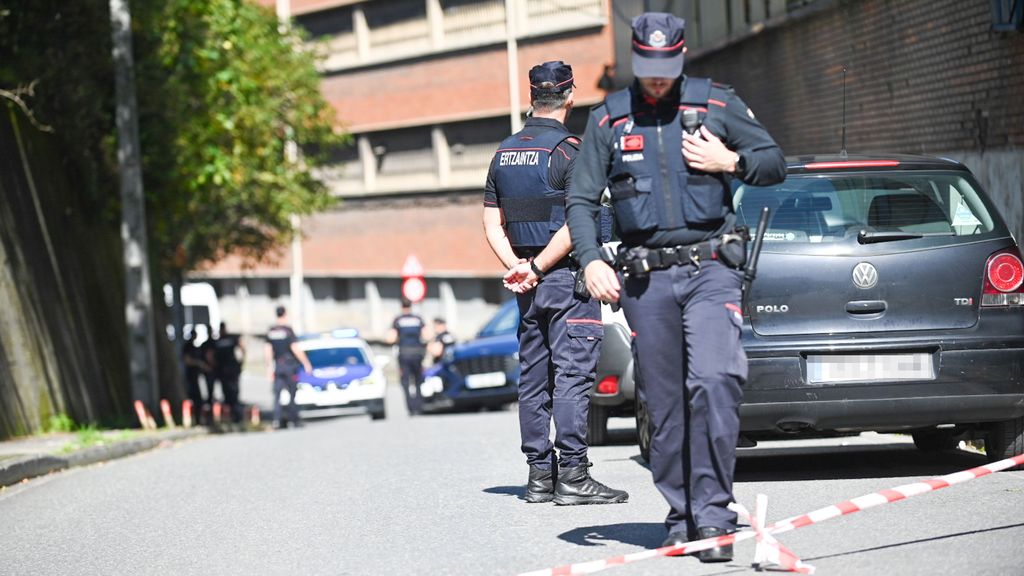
{"x": 559, "y": 343}
{"x": 285, "y": 379}
{"x": 410, "y": 370}
{"x": 692, "y": 365}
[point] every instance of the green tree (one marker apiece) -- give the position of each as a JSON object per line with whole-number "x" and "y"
{"x": 223, "y": 88}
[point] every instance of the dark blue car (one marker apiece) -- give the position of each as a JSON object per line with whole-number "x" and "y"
{"x": 480, "y": 373}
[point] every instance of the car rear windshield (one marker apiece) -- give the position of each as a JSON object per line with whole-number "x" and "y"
{"x": 327, "y": 357}
{"x": 941, "y": 206}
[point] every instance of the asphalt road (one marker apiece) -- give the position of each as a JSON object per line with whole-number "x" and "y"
{"x": 441, "y": 495}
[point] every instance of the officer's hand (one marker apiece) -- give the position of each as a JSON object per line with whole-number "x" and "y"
{"x": 706, "y": 152}
{"x": 602, "y": 281}
{"x": 520, "y": 278}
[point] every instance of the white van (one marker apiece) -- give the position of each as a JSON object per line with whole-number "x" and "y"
{"x": 201, "y": 309}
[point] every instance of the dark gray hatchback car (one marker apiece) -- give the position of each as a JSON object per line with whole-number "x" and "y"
{"x": 888, "y": 298}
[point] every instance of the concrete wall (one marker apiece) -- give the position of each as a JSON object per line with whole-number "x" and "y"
{"x": 923, "y": 77}
{"x": 62, "y": 340}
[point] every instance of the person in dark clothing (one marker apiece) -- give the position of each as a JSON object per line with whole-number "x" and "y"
{"x": 667, "y": 148}
{"x": 209, "y": 371}
{"x": 409, "y": 332}
{"x": 228, "y": 355}
{"x": 559, "y": 332}
{"x": 192, "y": 358}
{"x": 442, "y": 340}
{"x": 284, "y": 358}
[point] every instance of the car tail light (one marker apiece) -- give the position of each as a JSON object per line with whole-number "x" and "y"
{"x": 1004, "y": 279}
{"x": 608, "y": 385}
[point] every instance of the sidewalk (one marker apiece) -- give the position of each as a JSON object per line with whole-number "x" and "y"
{"x": 24, "y": 458}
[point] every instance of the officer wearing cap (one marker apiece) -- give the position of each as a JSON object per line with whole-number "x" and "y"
{"x": 559, "y": 332}
{"x": 666, "y": 148}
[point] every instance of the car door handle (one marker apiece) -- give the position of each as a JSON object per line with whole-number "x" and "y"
{"x": 863, "y": 307}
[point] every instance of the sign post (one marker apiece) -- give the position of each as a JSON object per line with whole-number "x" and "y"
{"x": 414, "y": 287}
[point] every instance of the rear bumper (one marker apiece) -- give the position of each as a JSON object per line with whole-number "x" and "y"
{"x": 972, "y": 386}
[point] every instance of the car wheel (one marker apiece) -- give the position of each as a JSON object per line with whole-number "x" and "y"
{"x": 1005, "y": 440}
{"x": 934, "y": 441}
{"x": 643, "y": 430}
{"x": 597, "y": 425}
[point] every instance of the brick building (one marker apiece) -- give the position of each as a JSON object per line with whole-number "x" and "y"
{"x": 425, "y": 88}
{"x": 428, "y": 89}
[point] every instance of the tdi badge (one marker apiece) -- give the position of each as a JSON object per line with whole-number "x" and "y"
{"x": 632, "y": 143}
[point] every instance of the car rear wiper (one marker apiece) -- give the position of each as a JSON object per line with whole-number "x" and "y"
{"x": 867, "y": 237}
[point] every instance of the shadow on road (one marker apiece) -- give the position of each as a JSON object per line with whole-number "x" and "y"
{"x": 517, "y": 491}
{"x": 849, "y": 462}
{"x": 645, "y": 534}
{"x": 919, "y": 541}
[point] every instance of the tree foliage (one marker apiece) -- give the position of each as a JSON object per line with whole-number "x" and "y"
{"x": 223, "y": 90}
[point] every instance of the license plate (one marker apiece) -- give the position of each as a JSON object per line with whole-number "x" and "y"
{"x": 486, "y": 380}
{"x": 828, "y": 368}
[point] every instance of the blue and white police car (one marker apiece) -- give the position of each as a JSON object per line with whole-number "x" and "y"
{"x": 346, "y": 374}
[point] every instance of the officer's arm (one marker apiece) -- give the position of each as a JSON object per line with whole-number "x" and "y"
{"x": 268, "y": 352}
{"x": 589, "y": 176}
{"x": 494, "y": 229}
{"x": 301, "y": 355}
{"x": 392, "y": 336}
{"x": 558, "y": 248}
{"x": 763, "y": 161}
{"x": 563, "y": 162}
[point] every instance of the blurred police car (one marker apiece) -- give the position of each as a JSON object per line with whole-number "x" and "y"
{"x": 480, "y": 373}
{"x": 889, "y": 297}
{"x": 345, "y": 374}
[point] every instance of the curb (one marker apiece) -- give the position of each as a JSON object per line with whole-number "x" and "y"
{"x": 22, "y": 468}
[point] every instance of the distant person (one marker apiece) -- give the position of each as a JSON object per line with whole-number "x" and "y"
{"x": 208, "y": 371}
{"x": 409, "y": 332}
{"x": 442, "y": 340}
{"x": 192, "y": 358}
{"x": 284, "y": 357}
{"x": 228, "y": 356}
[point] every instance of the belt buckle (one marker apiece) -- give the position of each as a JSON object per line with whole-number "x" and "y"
{"x": 694, "y": 256}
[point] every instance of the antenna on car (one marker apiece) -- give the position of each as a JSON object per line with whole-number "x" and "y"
{"x": 842, "y": 153}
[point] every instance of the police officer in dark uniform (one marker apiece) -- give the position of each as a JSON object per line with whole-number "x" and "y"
{"x": 192, "y": 358}
{"x": 442, "y": 340}
{"x": 408, "y": 331}
{"x": 285, "y": 356}
{"x": 680, "y": 257}
{"x": 227, "y": 367}
{"x": 559, "y": 332}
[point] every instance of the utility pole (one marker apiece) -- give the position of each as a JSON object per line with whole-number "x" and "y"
{"x": 297, "y": 280}
{"x": 138, "y": 293}
{"x": 512, "y": 47}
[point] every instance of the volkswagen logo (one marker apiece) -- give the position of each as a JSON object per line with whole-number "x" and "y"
{"x": 865, "y": 276}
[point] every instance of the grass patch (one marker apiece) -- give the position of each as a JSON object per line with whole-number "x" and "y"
{"x": 59, "y": 423}
{"x": 86, "y": 437}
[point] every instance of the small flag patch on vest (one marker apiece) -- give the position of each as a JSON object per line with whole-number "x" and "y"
{"x": 632, "y": 143}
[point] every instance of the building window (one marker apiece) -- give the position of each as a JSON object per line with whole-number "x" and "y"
{"x": 1007, "y": 15}
{"x": 340, "y": 289}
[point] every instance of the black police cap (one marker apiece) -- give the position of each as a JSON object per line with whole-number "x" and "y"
{"x": 658, "y": 45}
{"x": 553, "y": 77}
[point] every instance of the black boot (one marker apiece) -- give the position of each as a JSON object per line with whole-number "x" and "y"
{"x": 575, "y": 486}
{"x": 718, "y": 553}
{"x": 540, "y": 487}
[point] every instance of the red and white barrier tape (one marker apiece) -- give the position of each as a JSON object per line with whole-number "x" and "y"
{"x": 820, "y": 515}
{"x": 769, "y": 550}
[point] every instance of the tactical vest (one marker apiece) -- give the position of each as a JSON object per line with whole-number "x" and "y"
{"x": 533, "y": 210}
{"x": 650, "y": 185}
{"x": 409, "y": 328}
